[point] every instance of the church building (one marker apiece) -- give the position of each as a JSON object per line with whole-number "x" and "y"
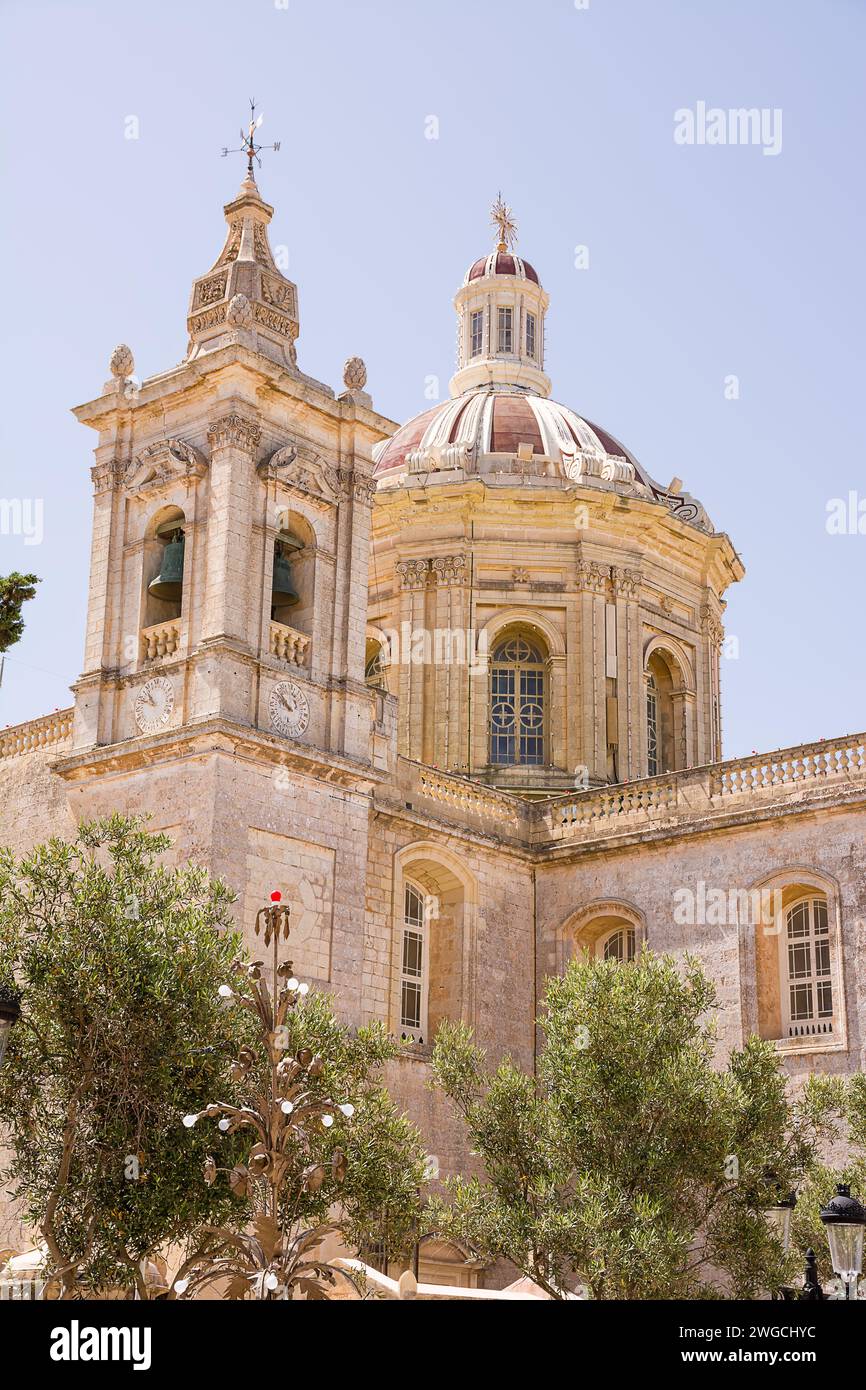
{"x": 452, "y": 686}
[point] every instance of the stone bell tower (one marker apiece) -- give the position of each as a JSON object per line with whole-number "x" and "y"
{"x": 236, "y": 472}
{"x": 223, "y": 683}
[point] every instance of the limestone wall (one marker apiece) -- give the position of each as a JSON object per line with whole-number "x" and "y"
{"x": 33, "y": 801}
{"x": 827, "y": 849}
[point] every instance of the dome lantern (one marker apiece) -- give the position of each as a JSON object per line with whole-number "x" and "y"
{"x": 501, "y": 308}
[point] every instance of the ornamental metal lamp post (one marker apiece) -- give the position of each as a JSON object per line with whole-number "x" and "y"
{"x": 279, "y": 1256}
{"x": 10, "y": 1012}
{"x": 779, "y": 1219}
{"x": 844, "y": 1220}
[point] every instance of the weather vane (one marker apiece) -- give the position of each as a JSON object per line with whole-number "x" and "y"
{"x": 500, "y": 217}
{"x": 249, "y": 146}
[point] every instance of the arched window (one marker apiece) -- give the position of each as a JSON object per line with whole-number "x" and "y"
{"x": 163, "y": 571}
{"x": 793, "y": 920}
{"x": 619, "y": 945}
{"x": 374, "y": 668}
{"x": 604, "y": 930}
{"x": 414, "y": 966}
{"x": 652, "y": 728}
{"x": 807, "y": 985}
{"x": 663, "y": 681}
{"x": 433, "y": 943}
{"x": 517, "y": 698}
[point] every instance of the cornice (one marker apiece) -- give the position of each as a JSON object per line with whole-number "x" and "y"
{"x": 201, "y": 376}
{"x": 214, "y": 736}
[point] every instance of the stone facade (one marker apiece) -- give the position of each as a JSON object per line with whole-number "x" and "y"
{"x": 279, "y": 747}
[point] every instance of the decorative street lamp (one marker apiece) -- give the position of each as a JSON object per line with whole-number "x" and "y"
{"x": 10, "y": 1012}
{"x": 287, "y": 1115}
{"x": 844, "y": 1219}
{"x": 779, "y": 1219}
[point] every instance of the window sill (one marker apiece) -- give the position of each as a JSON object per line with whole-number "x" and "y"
{"x": 798, "y": 1047}
{"x": 415, "y": 1052}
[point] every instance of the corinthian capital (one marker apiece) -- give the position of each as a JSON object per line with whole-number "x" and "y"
{"x": 593, "y": 576}
{"x": 234, "y": 432}
{"x": 450, "y": 569}
{"x": 711, "y": 625}
{"x": 107, "y": 475}
{"x": 413, "y": 573}
{"x": 626, "y": 582}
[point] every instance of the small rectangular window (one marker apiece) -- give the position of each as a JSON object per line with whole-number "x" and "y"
{"x": 477, "y": 333}
{"x": 506, "y": 330}
{"x": 530, "y": 335}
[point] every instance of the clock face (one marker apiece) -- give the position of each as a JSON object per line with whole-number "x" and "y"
{"x": 154, "y": 704}
{"x": 288, "y": 708}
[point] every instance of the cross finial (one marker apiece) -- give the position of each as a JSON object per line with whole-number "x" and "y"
{"x": 249, "y": 147}
{"x": 501, "y": 218}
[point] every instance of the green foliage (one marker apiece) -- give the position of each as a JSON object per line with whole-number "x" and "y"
{"x": 15, "y": 589}
{"x": 846, "y": 1098}
{"x": 631, "y": 1164}
{"x": 119, "y": 961}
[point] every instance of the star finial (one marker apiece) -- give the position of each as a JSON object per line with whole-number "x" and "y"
{"x": 501, "y": 218}
{"x": 249, "y": 146}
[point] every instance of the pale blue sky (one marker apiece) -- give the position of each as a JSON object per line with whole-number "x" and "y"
{"x": 704, "y": 261}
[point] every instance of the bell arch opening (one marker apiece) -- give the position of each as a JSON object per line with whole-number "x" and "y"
{"x": 162, "y": 587}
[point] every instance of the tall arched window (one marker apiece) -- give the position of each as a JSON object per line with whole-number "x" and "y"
{"x": 807, "y": 985}
{"x": 652, "y": 728}
{"x": 663, "y": 680}
{"x": 517, "y": 700}
{"x": 414, "y": 965}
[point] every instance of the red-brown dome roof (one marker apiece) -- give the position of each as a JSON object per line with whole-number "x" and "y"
{"x": 496, "y": 422}
{"x": 501, "y": 263}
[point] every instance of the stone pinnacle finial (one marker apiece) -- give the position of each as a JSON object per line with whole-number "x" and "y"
{"x": 245, "y": 299}
{"x": 354, "y": 374}
{"x": 501, "y": 218}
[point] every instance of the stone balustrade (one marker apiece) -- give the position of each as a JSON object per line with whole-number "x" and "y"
{"x": 36, "y": 733}
{"x": 719, "y": 789}
{"x": 591, "y": 810}
{"x": 492, "y": 812}
{"x": 289, "y": 645}
{"x": 162, "y": 639}
{"x": 838, "y": 759}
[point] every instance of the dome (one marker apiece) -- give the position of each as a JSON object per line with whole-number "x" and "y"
{"x": 509, "y": 431}
{"x": 501, "y": 263}
{"x": 498, "y": 421}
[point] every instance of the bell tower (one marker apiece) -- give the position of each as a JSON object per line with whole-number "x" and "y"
{"x": 231, "y": 524}
{"x": 223, "y": 691}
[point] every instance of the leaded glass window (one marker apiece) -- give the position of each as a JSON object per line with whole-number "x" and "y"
{"x": 517, "y": 714}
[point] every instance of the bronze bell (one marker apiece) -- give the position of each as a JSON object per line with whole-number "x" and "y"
{"x": 168, "y": 584}
{"x": 283, "y": 592}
